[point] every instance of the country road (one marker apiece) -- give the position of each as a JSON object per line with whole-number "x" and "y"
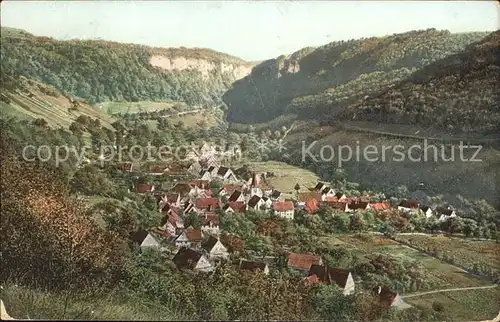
{"x": 448, "y": 290}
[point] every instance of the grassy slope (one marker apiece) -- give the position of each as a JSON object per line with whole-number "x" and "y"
{"x": 23, "y": 303}
{"x": 470, "y": 179}
{"x": 285, "y": 176}
{"x": 30, "y": 101}
{"x": 441, "y": 275}
{"x": 469, "y": 305}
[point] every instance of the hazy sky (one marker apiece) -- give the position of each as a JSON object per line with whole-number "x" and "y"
{"x": 253, "y": 30}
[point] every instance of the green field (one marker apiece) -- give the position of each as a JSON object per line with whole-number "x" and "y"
{"x": 285, "y": 176}
{"x": 466, "y": 252}
{"x": 467, "y": 305}
{"x": 135, "y": 107}
{"x": 441, "y": 274}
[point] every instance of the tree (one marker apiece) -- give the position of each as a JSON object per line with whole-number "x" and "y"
{"x": 356, "y": 223}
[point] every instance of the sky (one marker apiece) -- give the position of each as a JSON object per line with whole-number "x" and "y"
{"x": 252, "y": 30}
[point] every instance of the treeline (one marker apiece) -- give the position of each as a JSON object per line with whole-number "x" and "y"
{"x": 273, "y": 85}
{"x": 101, "y": 71}
{"x": 456, "y": 94}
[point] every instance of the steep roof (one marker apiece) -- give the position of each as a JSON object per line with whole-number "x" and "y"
{"x": 330, "y": 275}
{"x": 385, "y": 295}
{"x": 210, "y": 243}
{"x": 186, "y": 258}
{"x": 311, "y": 206}
{"x": 207, "y": 203}
{"x": 380, "y": 206}
{"x": 223, "y": 171}
{"x": 194, "y": 235}
{"x": 237, "y": 206}
{"x": 281, "y": 206}
{"x": 337, "y": 205}
{"x": 309, "y": 280}
{"x": 303, "y": 261}
{"x": 359, "y": 205}
{"x": 235, "y": 195}
{"x": 253, "y": 201}
{"x": 208, "y": 218}
{"x": 275, "y": 194}
{"x": 319, "y": 186}
{"x": 306, "y": 196}
{"x": 202, "y": 184}
{"x": 139, "y": 236}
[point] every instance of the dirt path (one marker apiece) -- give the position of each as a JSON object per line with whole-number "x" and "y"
{"x": 448, "y": 290}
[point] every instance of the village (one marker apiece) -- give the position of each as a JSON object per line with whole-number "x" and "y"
{"x": 201, "y": 249}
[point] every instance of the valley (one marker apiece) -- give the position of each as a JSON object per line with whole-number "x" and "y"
{"x": 242, "y": 221}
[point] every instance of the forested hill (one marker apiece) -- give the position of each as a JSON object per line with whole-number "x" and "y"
{"x": 100, "y": 71}
{"x": 337, "y": 74}
{"x": 458, "y": 93}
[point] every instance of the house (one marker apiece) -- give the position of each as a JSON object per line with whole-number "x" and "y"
{"x": 306, "y": 196}
{"x": 311, "y": 206}
{"x": 157, "y": 169}
{"x": 427, "y": 211}
{"x": 196, "y": 167}
{"x": 156, "y": 238}
{"x": 172, "y": 199}
{"x": 235, "y": 207}
{"x": 124, "y": 167}
{"x": 142, "y": 188}
{"x": 236, "y": 196}
{"x": 190, "y": 238}
{"x": 191, "y": 259}
{"x": 255, "y": 203}
{"x": 205, "y": 175}
{"x": 342, "y": 206}
{"x": 357, "y": 206}
{"x": 380, "y": 206}
{"x": 210, "y": 223}
{"x": 303, "y": 262}
{"x": 275, "y": 195}
{"x": 189, "y": 207}
{"x": 207, "y": 204}
{"x": 284, "y": 209}
{"x": 444, "y": 214}
{"x": 409, "y": 206}
{"x": 254, "y": 266}
{"x": 389, "y": 298}
{"x": 267, "y": 202}
{"x": 139, "y": 236}
{"x": 328, "y": 192}
{"x": 172, "y": 221}
{"x": 228, "y": 190}
{"x": 340, "y": 196}
{"x": 200, "y": 184}
{"x": 215, "y": 249}
{"x": 226, "y": 174}
{"x": 310, "y": 280}
{"x": 319, "y": 187}
{"x": 340, "y": 277}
